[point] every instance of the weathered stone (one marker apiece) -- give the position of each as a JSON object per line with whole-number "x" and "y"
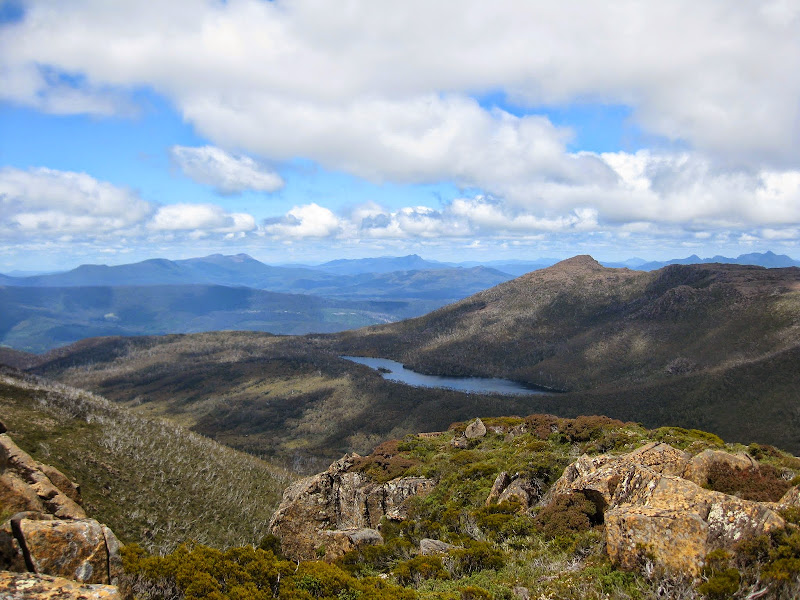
{"x": 73, "y": 549}
{"x": 650, "y": 512}
{"x": 338, "y": 500}
{"x": 661, "y": 458}
{"x": 790, "y": 499}
{"x": 338, "y": 542}
{"x": 429, "y": 546}
{"x": 20, "y": 586}
{"x": 16, "y": 495}
{"x": 68, "y": 487}
{"x": 522, "y": 490}
{"x": 14, "y": 461}
{"x": 113, "y": 547}
{"x": 676, "y": 540}
{"x": 500, "y": 483}
{"x": 460, "y": 442}
{"x": 476, "y": 429}
{"x": 698, "y": 468}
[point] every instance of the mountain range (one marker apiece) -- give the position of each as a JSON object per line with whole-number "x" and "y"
{"x": 712, "y": 347}
{"x": 158, "y": 296}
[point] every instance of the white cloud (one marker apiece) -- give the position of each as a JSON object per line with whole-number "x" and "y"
{"x": 308, "y": 221}
{"x": 722, "y": 76}
{"x": 354, "y": 91}
{"x": 202, "y": 217}
{"x": 44, "y": 201}
{"x": 228, "y": 174}
{"x": 49, "y": 204}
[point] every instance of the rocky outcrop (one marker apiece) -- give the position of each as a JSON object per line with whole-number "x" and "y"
{"x": 26, "y": 485}
{"x": 19, "y": 586}
{"x": 339, "y": 500}
{"x": 50, "y": 534}
{"x": 652, "y": 512}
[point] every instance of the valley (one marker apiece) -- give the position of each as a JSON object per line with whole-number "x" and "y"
{"x": 195, "y": 436}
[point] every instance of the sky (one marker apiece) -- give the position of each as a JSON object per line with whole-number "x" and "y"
{"x": 308, "y": 130}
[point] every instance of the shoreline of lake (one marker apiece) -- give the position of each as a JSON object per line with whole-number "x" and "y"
{"x": 394, "y": 371}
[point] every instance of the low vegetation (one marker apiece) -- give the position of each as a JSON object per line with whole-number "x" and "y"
{"x": 497, "y": 549}
{"x": 151, "y": 481}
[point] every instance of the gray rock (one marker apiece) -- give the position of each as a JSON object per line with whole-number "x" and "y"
{"x": 428, "y": 546}
{"x": 476, "y": 429}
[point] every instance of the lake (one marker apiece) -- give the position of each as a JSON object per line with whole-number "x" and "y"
{"x": 395, "y": 371}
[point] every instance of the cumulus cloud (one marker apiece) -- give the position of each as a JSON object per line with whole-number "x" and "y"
{"x": 202, "y": 217}
{"x": 48, "y": 201}
{"x": 227, "y": 173}
{"x": 49, "y": 204}
{"x": 308, "y": 221}
{"x": 352, "y": 91}
{"x": 722, "y": 76}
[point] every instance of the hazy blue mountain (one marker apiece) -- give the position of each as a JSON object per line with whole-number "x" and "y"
{"x": 443, "y": 285}
{"x": 382, "y": 264}
{"x": 35, "y": 319}
{"x": 216, "y": 269}
{"x": 762, "y": 259}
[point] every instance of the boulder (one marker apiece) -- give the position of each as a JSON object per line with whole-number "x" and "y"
{"x": 82, "y": 549}
{"x": 652, "y": 513}
{"x": 73, "y": 549}
{"x": 698, "y": 468}
{"x": 427, "y": 546}
{"x": 338, "y": 499}
{"x": 19, "y": 586}
{"x": 476, "y": 429}
{"x": 337, "y": 542}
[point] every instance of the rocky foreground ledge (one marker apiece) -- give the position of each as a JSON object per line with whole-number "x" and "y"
{"x": 654, "y": 506}
{"x": 49, "y": 548}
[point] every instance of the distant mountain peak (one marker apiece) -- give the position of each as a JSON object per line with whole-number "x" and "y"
{"x": 582, "y": 261}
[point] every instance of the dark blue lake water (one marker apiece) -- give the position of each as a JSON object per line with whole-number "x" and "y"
{"x": 478, "y": 385}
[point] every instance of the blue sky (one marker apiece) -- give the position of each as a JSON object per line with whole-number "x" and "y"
{"x": 297, "y": 131}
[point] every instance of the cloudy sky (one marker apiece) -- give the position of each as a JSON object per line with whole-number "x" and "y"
{"x": 302, "y": 130}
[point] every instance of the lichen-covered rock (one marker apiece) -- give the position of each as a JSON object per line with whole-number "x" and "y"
{"x": 82, "y": 549}
{"x": 73, "y": 549}
{"x": 476, "y": 429}
{"x": 20, "y": 586}
{"x": 698, "y": 468}
{"x": 18, "y": 469}
{"x": 675, "y": 539}
{"x": 338, "y": 499}
{"x": 652, "y": 513}
{"x": 49, "y": 533}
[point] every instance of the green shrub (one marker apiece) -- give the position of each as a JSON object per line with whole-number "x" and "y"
{"x": 416, "y": 570}
{"x": 474, "y": 557}
{"x": 472, "y": 592}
